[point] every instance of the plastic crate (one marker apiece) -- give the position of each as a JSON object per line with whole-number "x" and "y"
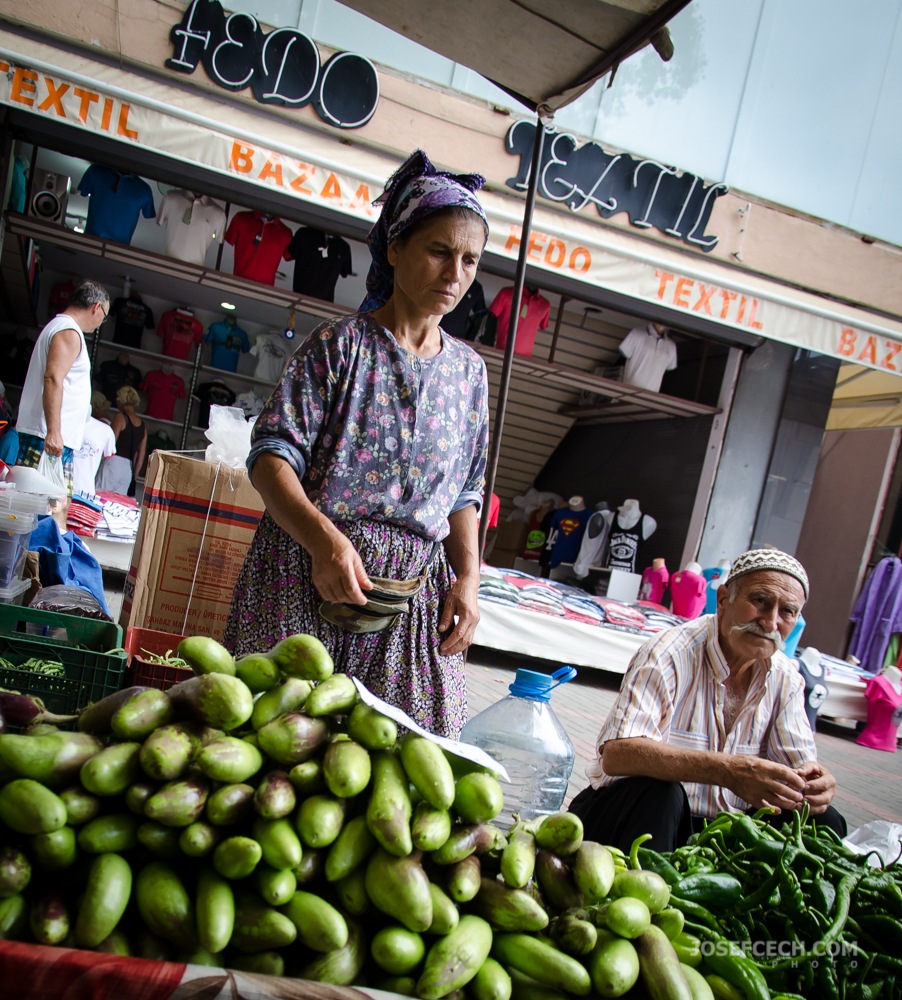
{"x": 140, "y": 670}
{"x": 57, "y": 629}
{"x": 89, "y": 676}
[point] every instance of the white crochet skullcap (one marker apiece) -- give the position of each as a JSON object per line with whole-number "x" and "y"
{"x": 769, "y": 559}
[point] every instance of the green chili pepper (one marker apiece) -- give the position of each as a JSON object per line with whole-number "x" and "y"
{"x": 728, "y": 960}
{"x": 722, "y": 989}
{"x": 654, "y": 862}
{"x": 883, "y": 930}
{"x": 634, "y": 850}
{"x": 715, "y": 891}
{"x": 688, "y": 948}
{"x": 762, "y": 894}
{"x": 695, "y": 912}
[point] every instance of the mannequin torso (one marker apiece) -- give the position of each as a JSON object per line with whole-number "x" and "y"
{"x": 884, "y": 697}
{"x": 629, "y": 526}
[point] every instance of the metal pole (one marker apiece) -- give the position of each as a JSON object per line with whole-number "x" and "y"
{"x": 519, "y": 281}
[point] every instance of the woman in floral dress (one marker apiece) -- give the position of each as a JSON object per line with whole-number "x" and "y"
{"x": 370, "y": 457}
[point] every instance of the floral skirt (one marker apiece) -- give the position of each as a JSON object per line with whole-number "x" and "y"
{"x": 275, "y": 597}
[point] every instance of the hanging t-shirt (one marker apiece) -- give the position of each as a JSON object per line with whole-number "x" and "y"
{"x": 884, "y": 715}
{"x": 320, "y": 259}
{"x": 594, "y": 545}
{"x": 251, "y": 403}
{"x": 181, "y": 331}
{"x": 114, "y": 374}
{"x": 116, "y": 202}
{"x": 132, "y": 317}
{"x": 566, "y": 534}
{"x": 192, "y": 223}
{"x": 648, "y": 355}
{"x": 623, "y": 543}
{"x": 687, "y": 593}
{"x": 654, "y": 583}
{"x": 260, "y": 242}
{"x": 18, "y": 192}
{"x": 59, "y": 295}
{"x": 535, "y": 310}
{"x": 229, "y": 343}
{"x": 271, "y": 351}
{"x": 457, "y": 321}
{"x": 209, "y": 394}
{"x": 163, "y": 390}
{"x": 98, "y": 443}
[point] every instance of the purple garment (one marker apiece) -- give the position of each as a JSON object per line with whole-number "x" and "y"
{"x": 374, "y": 432}
{"x": 877, "y": 614}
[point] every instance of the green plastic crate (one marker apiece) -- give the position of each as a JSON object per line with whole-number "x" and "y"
{"x": 92, "y": 657}
{"x": 59, "y": 629}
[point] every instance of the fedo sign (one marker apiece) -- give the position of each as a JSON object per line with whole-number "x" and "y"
{"x": 282, "y": 67}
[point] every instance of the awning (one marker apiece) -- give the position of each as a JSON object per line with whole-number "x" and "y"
{"x": 865, "y": 398}
{"x": 542, "y": 52}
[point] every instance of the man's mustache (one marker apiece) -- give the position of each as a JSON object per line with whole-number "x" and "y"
{"x": 774, "y": 636}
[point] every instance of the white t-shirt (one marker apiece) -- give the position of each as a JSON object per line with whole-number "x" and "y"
{"x": 648, "y": 356}
{"x": 192, "y": 224}
{"x": 76, "y": 404}
{"x": 271, "y": 351}
{"x": 99, "y": 442}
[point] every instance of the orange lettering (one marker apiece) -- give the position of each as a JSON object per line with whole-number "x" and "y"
{"x": 298, "y": 183}
{"x": 513, "y": 240}
{"x": 555, "y": 253}
{"x": 274, "y": 171}
{"x": 54, "y": 98}
{"x": 664, "y": 279}
{"x": 242, "y": 159}
{"x": 122, "y": 128}
{"x": 754, "y": 323}
{"x": 727, "y": 299}
{"x": 331, "y": 189}
{"x": 704, "y": 298}
{"x": 534, "y": 249}
{"x": 4, "y": 66}
{"x": 107, "y": 114}
{"x": 361, "y": 196}
{"x": 847, "y": 338}
{"x": 888, "y": 360}
{"x": 742, "y": 304}
{"x": 87, "y": 97}
{"x": 681, "y": 292}
{"x": 23, "y": 84}
{"x": 575, "y": 264}
{"x": 869, "y": 351}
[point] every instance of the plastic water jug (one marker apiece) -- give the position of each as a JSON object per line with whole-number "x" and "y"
{"x": 522, "y": 732}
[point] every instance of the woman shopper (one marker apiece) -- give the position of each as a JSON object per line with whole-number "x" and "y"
{"x": 131, "y": 434}
{"x": 370, "y": 456}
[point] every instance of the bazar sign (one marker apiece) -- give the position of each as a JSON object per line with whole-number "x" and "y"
{"x": 652, "y": 194}
{"x": 281, "y": 67}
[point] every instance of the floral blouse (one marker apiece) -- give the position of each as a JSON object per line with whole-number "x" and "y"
{"x": 373, "y": 431}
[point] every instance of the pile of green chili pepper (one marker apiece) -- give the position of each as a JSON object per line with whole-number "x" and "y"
{"x": 787, "y": 912}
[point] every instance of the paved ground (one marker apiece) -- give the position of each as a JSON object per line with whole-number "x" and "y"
{"x": 869, "y": 781}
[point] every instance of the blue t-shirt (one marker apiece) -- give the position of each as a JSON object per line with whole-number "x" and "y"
{"x": 229, "y": 341}
{"x": 566, "y": 534}
{"x": 116, "y": 202}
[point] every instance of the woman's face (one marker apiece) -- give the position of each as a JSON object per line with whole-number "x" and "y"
{"x": 437, "y": 264}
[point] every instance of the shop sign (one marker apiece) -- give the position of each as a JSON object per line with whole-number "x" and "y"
{"x": 281, "y": 67}
{"x": 654, "y": 195}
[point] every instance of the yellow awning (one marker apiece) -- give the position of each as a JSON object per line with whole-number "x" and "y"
{"x": 865, "y": 398}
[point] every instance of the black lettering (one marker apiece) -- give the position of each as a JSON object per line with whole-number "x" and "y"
{"x": 348, "y": 91}
{"x": 289, "y": 69}
{"x": 191, "y": 36}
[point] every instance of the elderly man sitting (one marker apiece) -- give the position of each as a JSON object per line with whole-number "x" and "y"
{"x": 711, "y": 717}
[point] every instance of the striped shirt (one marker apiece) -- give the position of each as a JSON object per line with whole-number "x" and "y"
{"x": 673, "y": 692}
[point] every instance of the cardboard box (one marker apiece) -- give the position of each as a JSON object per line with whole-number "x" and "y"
{"x": 197, "y": 521}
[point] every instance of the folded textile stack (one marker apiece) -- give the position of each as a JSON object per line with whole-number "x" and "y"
{"x": 121, "y": 515}
{"x": 84, "y": 514}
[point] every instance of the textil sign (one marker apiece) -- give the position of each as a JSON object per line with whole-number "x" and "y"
{"x": 602, "y": 256}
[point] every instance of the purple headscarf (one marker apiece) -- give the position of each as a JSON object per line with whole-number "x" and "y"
{"x": 413, "y": 192}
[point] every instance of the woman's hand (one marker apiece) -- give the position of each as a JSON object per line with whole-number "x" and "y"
{"x": 337, "y": 569}
{"x": 462, "y": 605}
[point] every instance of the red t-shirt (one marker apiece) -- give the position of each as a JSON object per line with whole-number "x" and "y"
{"x": 534, "y": 312}
{"x": 162, "y": 391}
{"x": 259, "y": 245}
{"x": 180, "y": 332}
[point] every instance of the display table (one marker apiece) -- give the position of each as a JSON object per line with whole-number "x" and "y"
{"x": 111, "y": 553}
{"x": 36, "y": 972}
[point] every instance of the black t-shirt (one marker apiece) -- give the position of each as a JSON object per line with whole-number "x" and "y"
{"x": 212, "y": 394}
{"x": 132, "y": 317}
{"x": 114, "y": 375}
{"x": 319, "y": 261}
{"x": 473, "y": 301}
{"x": 15, "y": 353}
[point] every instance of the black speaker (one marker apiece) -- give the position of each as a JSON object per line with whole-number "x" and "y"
{"x": 49, "y": 196}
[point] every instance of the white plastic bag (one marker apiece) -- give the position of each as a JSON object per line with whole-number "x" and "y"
{"x": 879, "y": 835}
{"x": 51, "y": 467}
{"x": 229, "y": 435}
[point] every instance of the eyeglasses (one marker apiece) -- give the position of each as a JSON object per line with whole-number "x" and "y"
{"x": 105, "y": 312}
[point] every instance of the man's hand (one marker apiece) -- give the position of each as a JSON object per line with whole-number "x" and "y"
{"x": 53, "y": 443}
{"x": 764, "y": 782}
{"x": 820, "y": 786}
{"x": 462, "y": 604}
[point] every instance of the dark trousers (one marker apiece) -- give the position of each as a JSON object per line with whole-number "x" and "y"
{"x": 630, "y": 807}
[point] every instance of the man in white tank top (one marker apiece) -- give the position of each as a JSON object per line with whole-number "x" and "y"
{"x": 56, "y": 397}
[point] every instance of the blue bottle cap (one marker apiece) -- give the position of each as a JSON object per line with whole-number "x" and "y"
{"x": 538, "y": 687}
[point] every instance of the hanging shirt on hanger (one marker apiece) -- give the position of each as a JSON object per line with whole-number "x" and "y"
{"x": 193, "y": 223}
{"x": 229, "y": 343}
{"x": 132, "y": 318}
{"x": 457, "y": 321}
{"x": 648, "y": 355}
{"x": 320, "y": 259}
{"x": 209, "y": 394}
{"x": 163, "y": 390}
{"x": 114, "y": 374}
{"x": 116, "y": 200}
{"x": 877, "y": 613}
{"x": 535, "y": 310}
{"x": 271, "y": 350}
{"x": 251, "y": 403}
{"x": 260, "y": 243}
{"x": 181, "y": 331}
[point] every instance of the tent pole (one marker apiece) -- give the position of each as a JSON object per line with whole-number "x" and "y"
{"x": 519, "y": 281}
